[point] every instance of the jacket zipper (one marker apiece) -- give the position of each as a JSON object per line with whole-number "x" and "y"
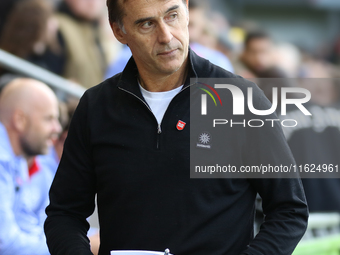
{"x": 159, "y": 130}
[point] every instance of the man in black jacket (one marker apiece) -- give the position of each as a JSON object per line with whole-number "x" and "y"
{"x": 129, "y": 144}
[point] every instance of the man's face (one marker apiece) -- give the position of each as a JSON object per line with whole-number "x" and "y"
{"x": 259, "y": 54}
{"x": 157, "y": 34}
{"x": 42, "y": 126}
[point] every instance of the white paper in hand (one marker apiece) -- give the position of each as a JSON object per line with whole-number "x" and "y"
{"x": 137, "y": 253}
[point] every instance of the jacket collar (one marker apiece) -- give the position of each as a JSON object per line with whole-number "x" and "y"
{"x": 128, "y": 79}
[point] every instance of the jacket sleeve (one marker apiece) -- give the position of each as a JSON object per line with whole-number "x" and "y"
{"x": 13, "y": 240}
{"x": 283, "y": 199}
{"x": 285, "y": 220}
{"x": 73, "y": 190}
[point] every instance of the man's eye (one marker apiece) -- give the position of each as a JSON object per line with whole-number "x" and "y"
{"x": 147, "y": 24}
{"x": 172, "y": 16}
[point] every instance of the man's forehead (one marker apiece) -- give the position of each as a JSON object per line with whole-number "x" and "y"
{"x": 140, "y": 1}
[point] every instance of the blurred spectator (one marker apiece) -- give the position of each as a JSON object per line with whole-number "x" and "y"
{"x": 84, "y": 40}
{"x": 28, "y": 122}
{"x": 30, "y": 33}
{"x": 257, "y": 55}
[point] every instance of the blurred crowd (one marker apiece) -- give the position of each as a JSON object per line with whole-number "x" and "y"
{"x": 73, "y": 39}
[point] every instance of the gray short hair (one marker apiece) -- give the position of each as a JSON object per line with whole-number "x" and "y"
{"x": 116, "y": 13}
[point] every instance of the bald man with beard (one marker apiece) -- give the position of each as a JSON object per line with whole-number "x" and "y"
{"x": 28, "y": 123}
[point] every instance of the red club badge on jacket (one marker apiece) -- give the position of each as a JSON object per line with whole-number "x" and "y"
{"x": 180, "y": 125}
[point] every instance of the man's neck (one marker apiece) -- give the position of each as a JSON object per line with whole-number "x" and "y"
{"x": 163, "y": 83}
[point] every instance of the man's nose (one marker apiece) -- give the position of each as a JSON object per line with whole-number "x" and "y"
{"x": 164, "y": 33}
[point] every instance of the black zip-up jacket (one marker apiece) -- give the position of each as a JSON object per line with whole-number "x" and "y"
{"x": 140, "y": 173}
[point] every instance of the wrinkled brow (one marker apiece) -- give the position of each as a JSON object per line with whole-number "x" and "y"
{"x": 175, "y": 7}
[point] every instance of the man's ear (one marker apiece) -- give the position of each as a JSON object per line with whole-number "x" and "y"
{"x": 118, "y": 32}
{"x": 19, "y": 120}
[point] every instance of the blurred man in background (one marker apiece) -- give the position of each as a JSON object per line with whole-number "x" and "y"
{"x": 258, "y": 55}
{"x": 28, "y": 123}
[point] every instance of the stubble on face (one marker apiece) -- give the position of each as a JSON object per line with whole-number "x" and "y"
{"x": 41, "y": 128}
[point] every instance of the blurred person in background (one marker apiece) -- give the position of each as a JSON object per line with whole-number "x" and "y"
{"x": 257, "y": 55}
{"x": 86, "y": 44}
{"x": 30, "y": 33}
{"x": 28, "y": 128}
{"x": 28, "y": 123}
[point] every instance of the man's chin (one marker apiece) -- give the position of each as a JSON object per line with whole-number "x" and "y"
{"x": 169, "y": 71}
{"x": 170, "y": 68}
